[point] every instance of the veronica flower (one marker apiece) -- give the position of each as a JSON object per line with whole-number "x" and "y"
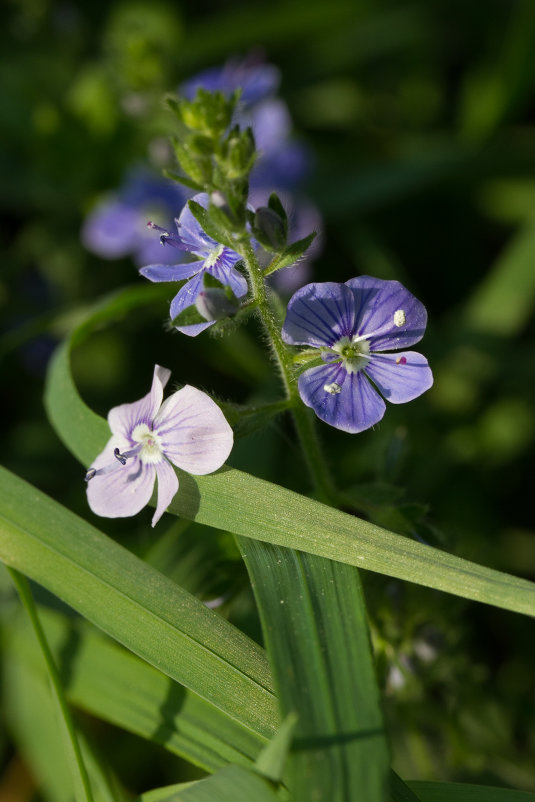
{"x": 355, "y": 325}
{"x": 211, "y": 257}
{"x": 188, "y": 430}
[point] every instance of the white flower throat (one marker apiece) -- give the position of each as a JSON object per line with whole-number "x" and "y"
{"x": 150, "y": 450}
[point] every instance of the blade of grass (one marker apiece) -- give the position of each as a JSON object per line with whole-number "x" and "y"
{"x": 312, "y": 612}
{"x": 80, "y": 778}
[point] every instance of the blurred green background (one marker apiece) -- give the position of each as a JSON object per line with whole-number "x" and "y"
{"x": 421, "y": 119}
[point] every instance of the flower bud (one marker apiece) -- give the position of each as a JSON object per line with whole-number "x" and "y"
{"x": 213, "y": 303}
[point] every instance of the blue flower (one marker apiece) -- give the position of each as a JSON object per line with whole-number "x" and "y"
{"x": 355, "y": 325}
{"x": 116, "y": 227}
{"x": 211, "y": 258}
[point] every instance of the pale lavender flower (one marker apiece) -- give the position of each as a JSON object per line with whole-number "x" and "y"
{"x": 188, "y": 430}
{"x": 353, "y": 325}
{"x": 211, "y": 257}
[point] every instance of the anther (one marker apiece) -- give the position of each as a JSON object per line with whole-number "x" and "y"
{"x": 399, "y": 318}
{"x": 401, "y": 360}
{"x": 333, "y": 388}
{"x": 117, "y": 454}
{"x": 89, "y": 475}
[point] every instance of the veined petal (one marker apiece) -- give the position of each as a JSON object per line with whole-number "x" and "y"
{"x": 401, "y": 376}
{"x": 186, "y": 295}
{"x": 171, "y": 272}
{"x": 124, "y": 418}
{"x": 344, "y": 400}
{"x": 376, "y": 302}
{"x": 167, "y": 487}
{"x": 194, "y": 432}
{"x": 319, "y": 314}
{"x": 190, "y": 231}
{"x": 230, "y": 276}
{"x": 124, "y": 490}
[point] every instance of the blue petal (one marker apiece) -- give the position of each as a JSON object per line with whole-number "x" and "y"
{"x": 400, "y": 377}
{"x": 356, "y": 407}
{"x": 171, "y": 272}
{"x": 230, "y": 277}
{"x": 376, "y": 302}
{"x": 319, "y": 314}
{"x": 190, "y": 231}
{"x": 186, "y": 295}
{"x": 195, "y": 328}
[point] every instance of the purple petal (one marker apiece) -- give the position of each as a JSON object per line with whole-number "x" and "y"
{"x": 125, "y": 490}
{"x": 124, "y": 418}
{"x": 113, "y": 229}
{"x": 400, "y": 377}
{"x": 376, "y": 302}
{"x": 230, "y": 277}
{"x": 167, "y": 487}
{"x": 186, "y": 295}
{"x": 171, "y": 272}
{"x": 194, "y": 432}
{"x": 190, "y": 231}
{"x": 319, "y": 314}
{"x": 354, "y": 407}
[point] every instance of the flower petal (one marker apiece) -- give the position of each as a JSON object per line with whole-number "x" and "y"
{"x": 228, "y": 275}
{"x": 190, "y": 231}
{"x": 376, "y": 302}
{"x": 167, "y": 487}
{"x": 193, "y": 329}
{"x": 400, "y": 377}
{"x": 171, "y": 272}
{"x": 194, "y": 432}
{"x": 319, "y": 314}
{"x": 125, "y": 490}
{"x": 124, "y": 418}
{"x": 186, "y": 295}
{"x": 355, "y": 406}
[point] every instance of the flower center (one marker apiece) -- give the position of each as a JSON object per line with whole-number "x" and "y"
{"x": 151, "y": 445}
{"x": 355, "y": 355}
{"x": 213, "y": 256}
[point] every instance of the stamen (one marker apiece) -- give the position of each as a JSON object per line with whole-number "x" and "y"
{"x": 332, "y": 388}
{"x": 117, "y": 454}
{"x": 399, "y": 318}
{"x": 401, "y": 360}
{"x": 89, "y": 475}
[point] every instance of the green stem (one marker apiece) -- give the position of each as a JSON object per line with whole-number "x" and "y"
{"x": 303, "y": 420}
{"x": 80, "y": 776}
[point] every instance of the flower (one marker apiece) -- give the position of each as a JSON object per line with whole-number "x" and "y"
{"x": 188, "y": 430}
{"x": 213, "y": 258}
{"x": 353, "y": 325}
{"x": 116, "y": 227}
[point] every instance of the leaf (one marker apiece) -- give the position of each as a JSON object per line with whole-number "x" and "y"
{"x": 461, "y": 792}
{"x": 135, "y": 604}
{"x": 231, "y": 784}
{"x": 271, "y": 761}
{"x": 312, "y": 612}
{"x": 291, "y": 254}
{"x": 115, "y": 685}
{"x": 245, "y": 505}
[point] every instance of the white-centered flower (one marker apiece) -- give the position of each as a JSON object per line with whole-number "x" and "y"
{"x": 188, "y": 430}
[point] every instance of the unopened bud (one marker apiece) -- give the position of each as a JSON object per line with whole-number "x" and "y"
{"x": 214, "y": 304}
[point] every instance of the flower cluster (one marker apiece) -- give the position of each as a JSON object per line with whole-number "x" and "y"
{"x": 211, "y": 258}
{"x": 188, "y": 430}
{"x": 355, "y": 326}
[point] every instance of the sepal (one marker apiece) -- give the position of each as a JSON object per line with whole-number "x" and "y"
{"x": 291, "y": 254}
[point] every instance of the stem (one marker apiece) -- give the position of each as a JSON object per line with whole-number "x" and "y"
{"x": 80, "y": 776}
{"x": 304, "y": 423}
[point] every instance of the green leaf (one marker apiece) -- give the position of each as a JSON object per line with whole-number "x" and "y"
{"x": 461, "y": 792}
{"x": 245, "y": 505}
{"x": 231, "y": 784}
{"x": 312, "y": 612}
{"x": 135, "y": 604}
{"x": 291, "y": 254}
{"x": 115, "y": 685}
{"x": 271, "y": 761}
